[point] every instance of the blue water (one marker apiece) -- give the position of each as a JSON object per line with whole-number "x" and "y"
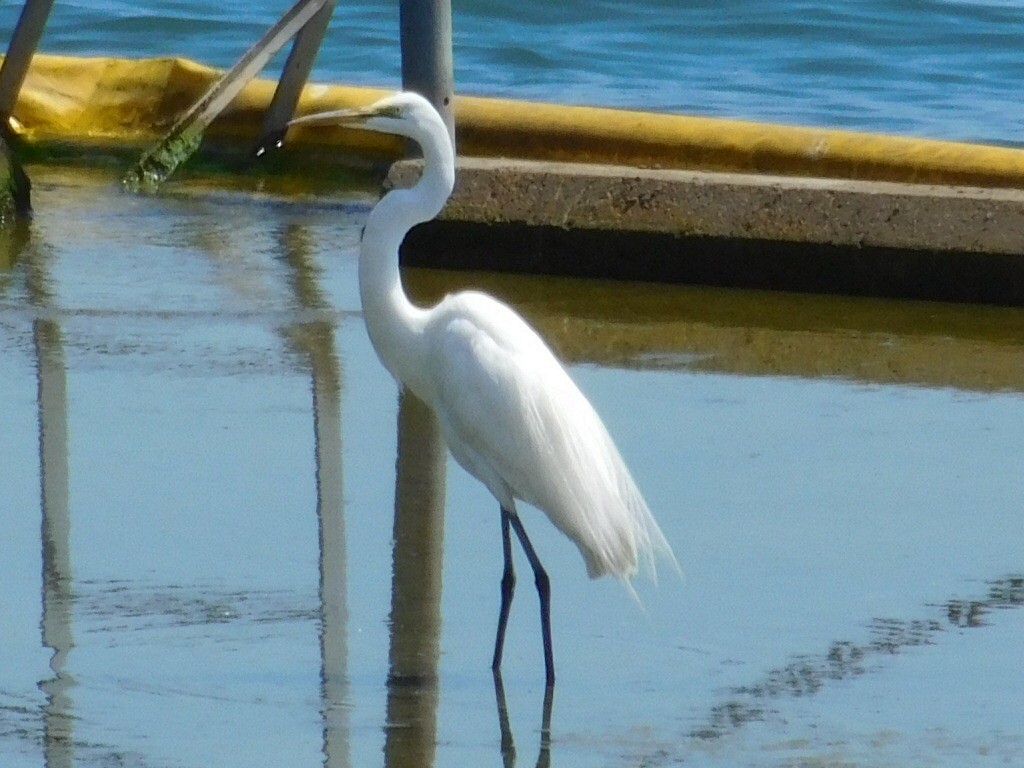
{"x": 944, "y": 68}
{"x": 198, "y": 490}
{"x": 850, "y": 529}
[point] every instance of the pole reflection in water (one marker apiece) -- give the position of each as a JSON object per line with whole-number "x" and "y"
{"x": 57, "y": 597}
{"x": 14, "y": 240}
{"x": 315, "y": 339}
{"x": 333, "y": 583}
{"x": 411, "y": 728}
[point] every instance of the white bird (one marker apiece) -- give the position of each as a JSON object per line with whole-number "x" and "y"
{"x": 509, "y": 412}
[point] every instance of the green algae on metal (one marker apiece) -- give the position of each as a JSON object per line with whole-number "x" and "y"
{"x": 15, "y": 187}
{"x": 155, "y": 166}
{"x": 184, "y": 138}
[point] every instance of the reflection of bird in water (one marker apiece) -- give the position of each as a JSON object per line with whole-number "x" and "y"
{"x": 509, "y": 412}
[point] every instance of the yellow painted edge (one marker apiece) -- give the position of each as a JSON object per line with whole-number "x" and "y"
{"x": 136, "y": 100}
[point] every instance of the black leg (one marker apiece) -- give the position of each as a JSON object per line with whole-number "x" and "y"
{"x": 508, "y": 588}
{"x": 543, "y": 592}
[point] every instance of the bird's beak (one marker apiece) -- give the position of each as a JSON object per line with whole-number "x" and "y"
{"x": 338, "y": 117}
{"x": 350, "y": 117}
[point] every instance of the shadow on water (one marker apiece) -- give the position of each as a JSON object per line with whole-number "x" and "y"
{"x": 807, "y": 675}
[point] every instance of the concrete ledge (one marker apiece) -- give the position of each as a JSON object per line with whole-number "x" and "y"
{"x": 703, "y": 204}
{"x": 878, "y": 238}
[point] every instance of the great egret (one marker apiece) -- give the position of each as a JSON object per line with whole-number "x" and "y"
{"x": 509, "y": 412}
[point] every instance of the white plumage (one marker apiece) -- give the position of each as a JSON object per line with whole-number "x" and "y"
{"x": 509, "y": 412}
{"x": 517, "y": 422}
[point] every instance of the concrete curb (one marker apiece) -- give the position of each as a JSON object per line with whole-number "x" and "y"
{"x": 878, "y": 238}
{"x": 703, "y": 204}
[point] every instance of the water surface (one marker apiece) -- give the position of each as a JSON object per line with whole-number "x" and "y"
{"x": 198, "y": 495}
{"x": 942, "y": 68}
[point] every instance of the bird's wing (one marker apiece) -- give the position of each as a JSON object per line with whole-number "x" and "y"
{"x": 512, "y": 415}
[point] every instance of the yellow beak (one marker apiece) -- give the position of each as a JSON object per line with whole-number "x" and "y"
{"x": 336, "y": 117}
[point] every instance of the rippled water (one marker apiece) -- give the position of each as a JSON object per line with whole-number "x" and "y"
{"x": 202, "y": 465}
{"x": 942, "y": 68}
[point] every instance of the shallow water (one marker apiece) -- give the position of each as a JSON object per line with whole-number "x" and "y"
{"x": 198, "y": 496}
{"x": 942, "y": 68}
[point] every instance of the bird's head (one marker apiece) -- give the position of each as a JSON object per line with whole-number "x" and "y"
{"x": 403, "y": 113}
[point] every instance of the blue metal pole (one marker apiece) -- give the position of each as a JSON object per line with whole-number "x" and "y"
{"x": 426, "y": 30}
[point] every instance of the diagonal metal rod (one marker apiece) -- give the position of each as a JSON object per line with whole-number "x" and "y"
{"x": 294, "y": 76}
{"x": 184, "y": 138}
{"x": 15, "y": 187}
{"x": 22, "y": 48}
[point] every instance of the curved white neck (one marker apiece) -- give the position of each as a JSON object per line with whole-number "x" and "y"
{"x": 392, "y": 321}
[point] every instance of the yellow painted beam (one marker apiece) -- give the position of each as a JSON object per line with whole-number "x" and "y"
{"x": 109, "y": 100}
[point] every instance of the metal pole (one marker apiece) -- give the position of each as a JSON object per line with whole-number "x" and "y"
{"x": 20, "y": 52}
{"x": 294, "y": 75}
{"x": 187, "y": 133}
{"x": 426, "y": 29}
